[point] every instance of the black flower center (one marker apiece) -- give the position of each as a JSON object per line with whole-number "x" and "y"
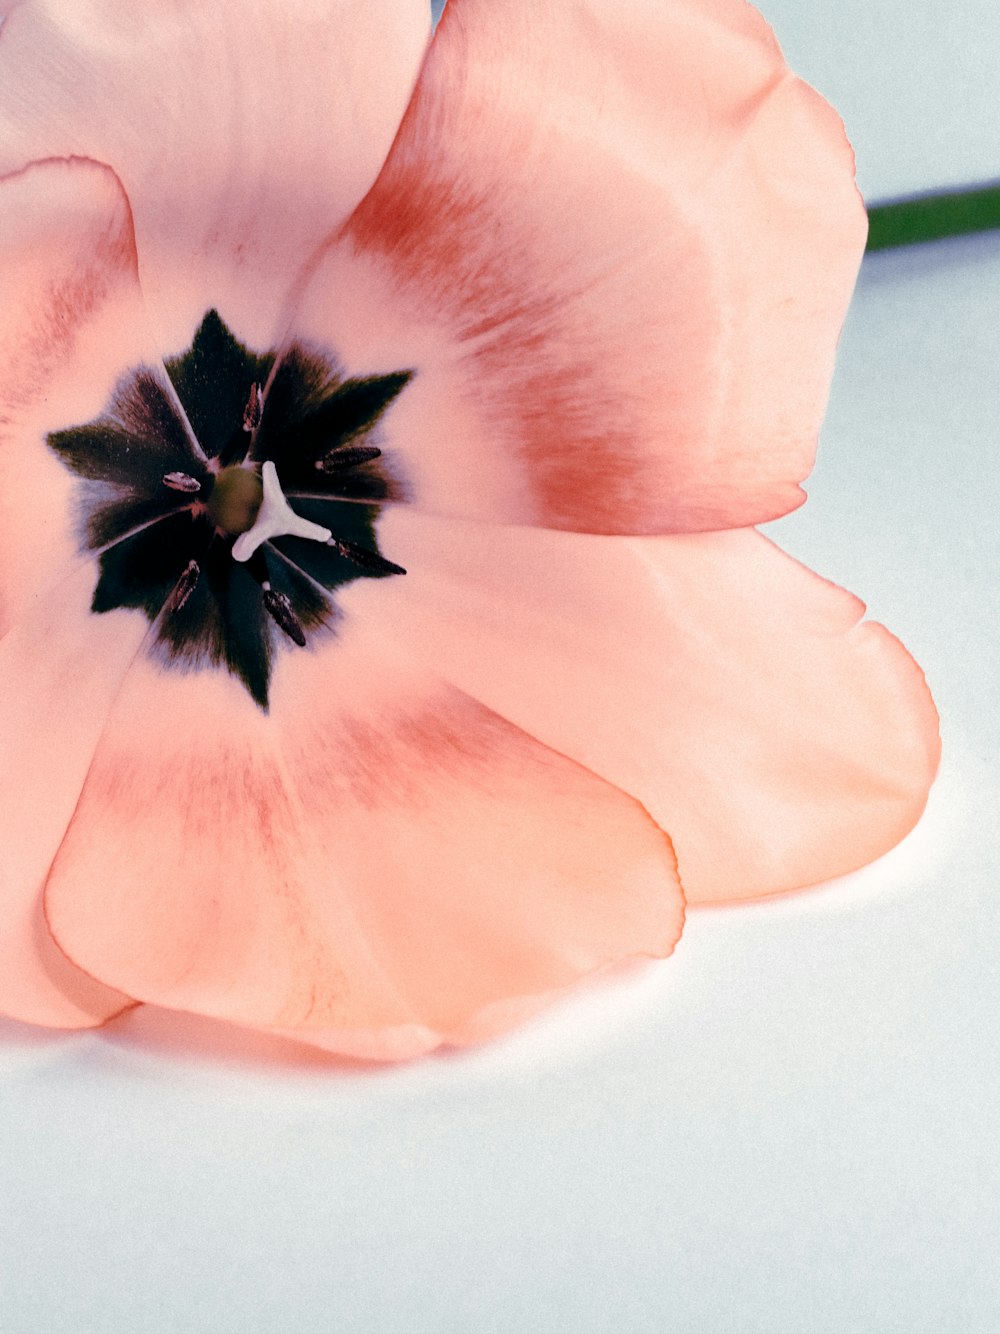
{"x": 172, "y": 480}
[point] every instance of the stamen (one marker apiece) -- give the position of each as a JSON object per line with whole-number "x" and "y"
{"x": 254, "y": 410}
{"x": 184, "y": 587}
{"x": 181, "y": 481}
{"x": 278, "y": 607}
{"x": 167, "y": 556}
{"x": 275, "y": 519}
{"x": 368, "y": 560}
{"x": 339, "y": 459}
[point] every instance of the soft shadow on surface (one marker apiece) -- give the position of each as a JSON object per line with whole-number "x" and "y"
{"x": 15, "y": 1036}
{"x": 591, "y": 1016}
{"x": 917, "y": 263}
{"x": 902, "y": 871}
{"x": 151, "y": 1031}
{"x": 571, "y": 1020}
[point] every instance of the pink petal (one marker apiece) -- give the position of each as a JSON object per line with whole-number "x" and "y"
{"x": 616, "y": 242}
{"x": 60, "y": 667}
{"x": 242, "y": 133}
{"x": 380, "y": 864}
{"x": 70, "y": 321}
{"x": 730, "y": 690}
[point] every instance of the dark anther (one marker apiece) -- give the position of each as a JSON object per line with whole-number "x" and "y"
{"x": 181, "y": 481}
{"x": 339, "y": 459}
{"x": 361, "y": 556}
{"x": 254, "y": 410}
{"x": 279, "y": 608}
{"x": 185, "y": 586}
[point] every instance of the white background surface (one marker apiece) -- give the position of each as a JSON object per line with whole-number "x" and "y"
{"x": 918, "y": 84}
{"x": 789, "y": 1128}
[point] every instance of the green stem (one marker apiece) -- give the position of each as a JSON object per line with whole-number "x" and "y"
{"x": 930, "y": 217}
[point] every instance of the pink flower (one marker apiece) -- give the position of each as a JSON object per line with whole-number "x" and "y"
{"x": 380, "y": 600}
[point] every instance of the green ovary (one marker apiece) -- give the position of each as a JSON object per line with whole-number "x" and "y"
{"x": 235, "y": 500}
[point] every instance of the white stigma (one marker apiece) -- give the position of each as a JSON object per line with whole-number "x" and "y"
{"x": 276, "y": 518}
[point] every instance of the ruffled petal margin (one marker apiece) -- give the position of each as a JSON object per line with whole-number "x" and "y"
{"x": 61, "y": 667}
{"x": 737, "y": 695}
{"x": 616, "y": 243}
{"x": 244, "y": 134}
{"x": 71, "y": 320}
{"x": 380, "y": 866}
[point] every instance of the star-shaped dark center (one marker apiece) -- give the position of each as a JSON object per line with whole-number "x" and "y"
{"x": 228, "y": 499}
